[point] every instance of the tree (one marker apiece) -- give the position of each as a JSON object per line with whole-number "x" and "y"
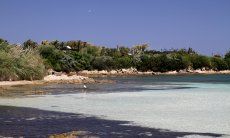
{"x": 57, "y": 44}
{"x": 92, "y": 50}
{"x": 124, "y": 51}
{"x": 178, "y": 62}
{"x": 112, "y": 52}
{"x": 200, "y": 61}
{"x": 227, "y": 55}
{"x": 19, "y": 64}
{"x": 4, "y": 46}
{"x": 29, "y": 44}
{"x": 123, "y": 62}
{"x": 45, "y": 42}
{"x": 159, "y": 63}
{"x": 218, "y": 63}
{"x": 103, "y": 63}
{"x": 138, "y": 49}
{"x": 227, "y": 59}
{"x": 191, "y": 51}
{"x": 144, "y": 63}
{"x": 52, "y": 57}
{"x": 3, "y": 41}
{"x": 83, "y": 60}
{"x": 77, "y": 45}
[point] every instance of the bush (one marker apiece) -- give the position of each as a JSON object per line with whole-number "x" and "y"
{"x": 159, "y": 63}
{"x": 228, "y": 62}
{"x": 103, "y": 63}
{"x": 30, "y": 44}
{"x": 178, "y": 62}
{"x": 218, "y": 63}
{"x": 52, "y": 57}
{"x": 123, "y": 62}
{"x": 91, "y": 50}
{"x": 227, "y": 55}
{"x": 83, "y": 60}
{"x": 19, "y": 64}
{"x": 199, "y": 62}
{"x": 143, "y": 63}
{"x": 7, "y": 71}
{"x": 30, "y": 66}
{"x": 227, "y": 59}
{"x": 4, "y": 46}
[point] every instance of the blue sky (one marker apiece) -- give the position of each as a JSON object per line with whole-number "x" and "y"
{"x": 201, "y": 24}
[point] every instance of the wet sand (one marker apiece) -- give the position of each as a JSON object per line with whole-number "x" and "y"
{"x": 29, "y": 122}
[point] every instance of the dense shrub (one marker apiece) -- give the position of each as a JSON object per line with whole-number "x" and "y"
{"x": 30, "y": 44}
{"x": 178, "y": 62}
{"x": 19, "y": 64}
{"x": 200, "y": 61}
{"x": 7, "y": 71}
{"x": 227, "y": 59}
{"x": 83, "y": 60}
{"x": 142, "y": 63}
{"x": 227, "y": 55}
{"x": 159, "y": 63}
{"x": 103, "y": 63}
{"x": 30, "y": 65}
{"x": 218, "y": 63}
{"x": 123, "y": 62}
{"x": 53, "y": 57}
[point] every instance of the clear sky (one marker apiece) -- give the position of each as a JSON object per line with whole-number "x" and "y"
{"x": 201, "y": 24}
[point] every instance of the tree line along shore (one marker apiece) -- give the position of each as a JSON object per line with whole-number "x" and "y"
{"x": 31, "y": 61}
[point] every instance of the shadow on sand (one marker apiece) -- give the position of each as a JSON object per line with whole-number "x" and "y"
{"x": 29, "y": 122}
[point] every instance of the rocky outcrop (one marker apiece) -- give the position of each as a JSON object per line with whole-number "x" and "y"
{"x": 68, "y": 79}
{"x": 72, "y": 134}
{"x": 133, "y": 71}
{"x": 119, "y": 72}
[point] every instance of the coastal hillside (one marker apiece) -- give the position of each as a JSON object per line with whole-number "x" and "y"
{"x": 30, "y": 61}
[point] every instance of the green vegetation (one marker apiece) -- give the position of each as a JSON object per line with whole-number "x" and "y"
{"x": 31, "y": 60}
{"x": 17, "y": 63}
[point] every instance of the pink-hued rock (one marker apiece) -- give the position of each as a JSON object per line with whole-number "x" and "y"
{"x": 69, "y": 79}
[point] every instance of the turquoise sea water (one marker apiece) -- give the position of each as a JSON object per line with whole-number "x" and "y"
{"x": 195, "y": 103}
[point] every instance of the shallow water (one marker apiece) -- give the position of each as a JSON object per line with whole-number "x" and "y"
{"x": 196, "y": 103}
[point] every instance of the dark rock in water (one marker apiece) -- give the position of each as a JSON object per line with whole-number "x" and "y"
{"x": 28, "y": 122}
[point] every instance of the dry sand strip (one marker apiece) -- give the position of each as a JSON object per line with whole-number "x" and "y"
{"x": 50, "y": 79}
{"x": 15, "y": 83}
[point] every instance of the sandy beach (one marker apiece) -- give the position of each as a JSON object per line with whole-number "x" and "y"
{"x": 50, "y": 79}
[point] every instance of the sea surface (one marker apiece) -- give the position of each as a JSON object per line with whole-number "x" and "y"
{"x": 186, "y": 103}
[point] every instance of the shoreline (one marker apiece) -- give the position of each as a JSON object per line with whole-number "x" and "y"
{"x": 132, "y": 71}
{"x": 85, "y": 76}
{"x": 49, "y": 79}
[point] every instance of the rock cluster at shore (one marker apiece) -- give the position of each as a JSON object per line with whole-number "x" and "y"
{"x": 133, "y": 71}
{"x": 130, "y": 71}
{"x": 63, "y": 78}
{"x": 72, "y": 134}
